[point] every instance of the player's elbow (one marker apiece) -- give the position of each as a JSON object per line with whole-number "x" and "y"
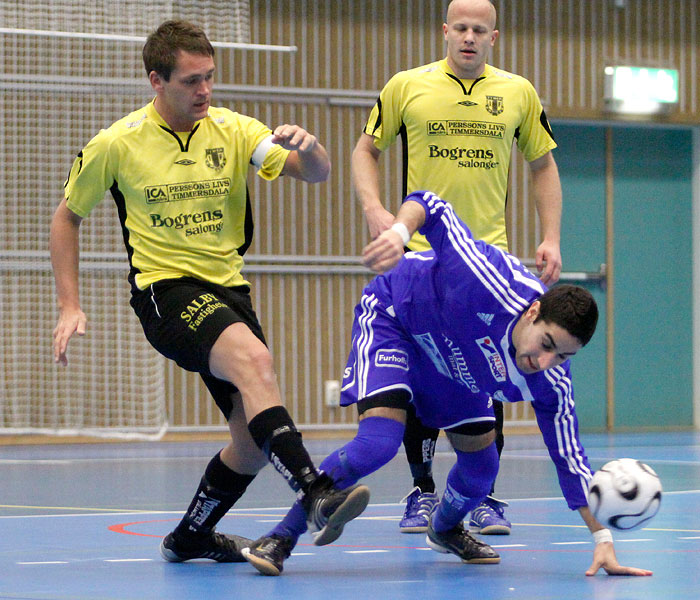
{"x": 319, "y": 174}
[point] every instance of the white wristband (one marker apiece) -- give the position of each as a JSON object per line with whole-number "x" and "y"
{"x": 402, "y": 230}
{"x": 602, "y": 535}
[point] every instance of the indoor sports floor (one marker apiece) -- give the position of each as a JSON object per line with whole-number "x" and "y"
{"x": 84, "y": 522}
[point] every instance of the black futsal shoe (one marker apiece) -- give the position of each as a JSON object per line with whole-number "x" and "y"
{"x": 216, "y": 546}
{"x": 459, "y": 542}
{"x": 267, "y": 554}
{"x": 328, "y": 509}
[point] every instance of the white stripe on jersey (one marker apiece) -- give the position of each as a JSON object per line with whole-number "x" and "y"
{"x": 482, "y": 262}
{"x": 518, "y": 274}
{"x": 489, "y": 276}
{"x": 364, "y": 342}
{"x": 514, "y": 374}
{"x": 564, "y": 427}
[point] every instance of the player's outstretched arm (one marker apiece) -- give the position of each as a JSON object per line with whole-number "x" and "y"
{"x": 64, "y": 258}
{"x": 604, "y": 553}
{"x": 308, "y": 160}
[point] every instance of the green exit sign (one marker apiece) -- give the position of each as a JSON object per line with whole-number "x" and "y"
{"x": 641, "y": 90}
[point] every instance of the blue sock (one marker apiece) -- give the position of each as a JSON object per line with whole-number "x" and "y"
{"x": 377, "y": 441}
{"x": 468, "y": 483}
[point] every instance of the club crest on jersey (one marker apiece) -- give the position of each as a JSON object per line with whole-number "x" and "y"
{"x": 494, "y": 104}
{"x": 215, "y": 158}
{"x": 488, "y": 349}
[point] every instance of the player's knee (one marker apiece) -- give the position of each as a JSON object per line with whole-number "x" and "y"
{"x": 477, "y": 471}
{"x": 376, "y": 443}
{"x": 381, "y": 437}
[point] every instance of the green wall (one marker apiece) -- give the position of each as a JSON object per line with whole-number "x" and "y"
{"x": 653, "y": 270}
{"x": 653, "y": 281}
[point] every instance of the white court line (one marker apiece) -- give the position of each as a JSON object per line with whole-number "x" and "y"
{"x": 117, "y": 560}
{"x": 507, "y": 454}
{"x": 568, "y": 543}
{"x": 267, "y": 520}
{"x": 364, "y": 551}
{"x": 237, "y": 511}
{"x": 45, "y": 562}
{"x": 508, "y": 546}
{"x": 693, "y": 537}
{"x": 619, "y": 541}
{"x": 95, "y": 514}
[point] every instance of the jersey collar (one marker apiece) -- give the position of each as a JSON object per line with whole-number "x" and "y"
{"x": 445, "y": 68}
{"x": 153, "y": 114}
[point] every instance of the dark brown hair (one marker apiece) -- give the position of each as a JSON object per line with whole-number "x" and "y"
{"x": 160, "y": 50}
{"x": 572, "y": 308}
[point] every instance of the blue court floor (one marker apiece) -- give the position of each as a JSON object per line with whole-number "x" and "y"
{"x": 84, "y": 522}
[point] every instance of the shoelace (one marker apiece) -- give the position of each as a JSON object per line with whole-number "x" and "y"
{"x": 424, "y": 502}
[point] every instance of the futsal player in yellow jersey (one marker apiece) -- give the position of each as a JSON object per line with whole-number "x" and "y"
{"x": 457, "y": 119}
{"x": 177, "y": 170}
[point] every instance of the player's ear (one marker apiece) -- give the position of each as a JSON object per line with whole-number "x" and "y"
{"x": 156, "y": 80}
{"x": 534, "y": 311}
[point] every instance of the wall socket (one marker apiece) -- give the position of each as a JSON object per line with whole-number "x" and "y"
{"x": 331, "y": 392}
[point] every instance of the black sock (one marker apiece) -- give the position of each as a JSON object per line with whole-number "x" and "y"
{"x": 218, "y": 491}
{"x": 419, "y": 442}
{"x": 275, "y": 434}
{"x": 426, "y": 484}
{"x": 498, "y": 412}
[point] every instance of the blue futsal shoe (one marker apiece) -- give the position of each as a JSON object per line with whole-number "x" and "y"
{"x": 488, "y": 518}
{"x": 418, "y": 509}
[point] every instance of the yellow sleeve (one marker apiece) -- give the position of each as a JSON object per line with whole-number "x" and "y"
{"x": 91, "y": 175}
{"x": 276, "y": 156}
{"x": 535, "y": 137}
{"x": 386, "y": 118}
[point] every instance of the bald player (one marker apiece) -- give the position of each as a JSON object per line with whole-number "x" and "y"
{"x": 457, "y": 119}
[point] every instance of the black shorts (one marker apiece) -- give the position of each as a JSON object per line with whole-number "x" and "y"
{"x": 183, "y": 318}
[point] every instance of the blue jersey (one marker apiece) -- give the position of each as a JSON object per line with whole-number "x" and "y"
{"x": 440, "y": 324}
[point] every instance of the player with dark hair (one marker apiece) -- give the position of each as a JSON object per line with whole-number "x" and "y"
{"x": 445, "y": 331}
{"x": 177, "y": 169}
{"x": 458, "y": 119}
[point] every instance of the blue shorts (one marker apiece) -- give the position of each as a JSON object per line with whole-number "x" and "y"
{"x": 385, "y": 357}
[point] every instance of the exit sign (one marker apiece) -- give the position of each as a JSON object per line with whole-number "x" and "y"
{"x": 640, "y": 90}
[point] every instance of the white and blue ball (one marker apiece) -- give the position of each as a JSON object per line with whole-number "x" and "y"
{"x": 624, "y": 494}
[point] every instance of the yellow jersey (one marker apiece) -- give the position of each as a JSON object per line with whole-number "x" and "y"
{"x": 458, "y": 137}
{"x": 182, "y": 198}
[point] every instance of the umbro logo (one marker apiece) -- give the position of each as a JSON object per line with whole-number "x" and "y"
{"x": 185, "y": 161}
{"x": 485, "y": 317}
{"x": 468, "y": 103}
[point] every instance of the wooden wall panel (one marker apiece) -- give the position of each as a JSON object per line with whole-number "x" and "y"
{"x": 346, "y": 52}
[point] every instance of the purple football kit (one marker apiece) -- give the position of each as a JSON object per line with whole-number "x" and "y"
{"x": 439, "y": 325}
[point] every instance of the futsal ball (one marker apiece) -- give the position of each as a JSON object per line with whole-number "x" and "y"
{"x": 624, "y": 494}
